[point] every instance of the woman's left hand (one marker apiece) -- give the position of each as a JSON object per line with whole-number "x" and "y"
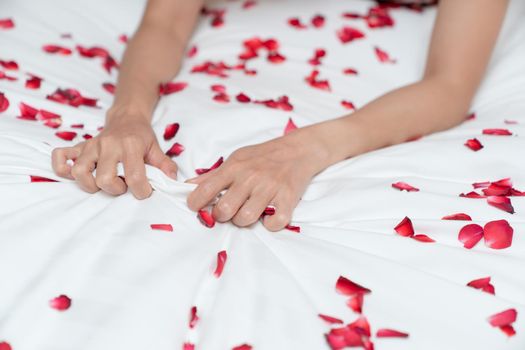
{"x": 274, "y": 173}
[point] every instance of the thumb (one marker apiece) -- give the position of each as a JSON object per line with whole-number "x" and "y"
{"x": 160, "y": 160}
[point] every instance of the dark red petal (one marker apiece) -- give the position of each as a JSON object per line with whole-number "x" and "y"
{"x": 242, "y": 347}
{"x": 404, "y": 186}
{"x": 348, "y": 34}
{"x": 36, "y": 178}
{"x": 276, "y": 57}
{"x": 193, "y": 317}
{"x": 348, "y": 105}
{"x": 474, "y": 144}
{"x": 6, "y": 23}
{"x": 171, "y": 87}
{"x": 423, "y": 238}
{"x": 498, "y": 132}
{"x": 330, "y": 319}
{"x": 162, "y": 227}
{"x": 483, "y": 284}
{"x": 405, "y": 228}
{"x": 350, "y": 71}
{"x": 57, "y": 49}
{"x": 390, "y": 333}
{"x": 221, "y": 260}
{"x": 192, "y": 51}
{"x": 356, "y": 303}
{"x": 4, "y": 103}
{"x": 215, "y": 165}
{"x": 498, "y": 234}
{"x": 508, "y": 330}
{"x": 27, "y": 112}
{"x": 206, "y": 218}
{"x": 503, "y": 318}
{"x": 470, "y": 235}
{"x": 349, "y": 288}
{"x": 175, "y": 150}
{"x": 293, "y": 228}
{"x": 290, "y": 126}
{"x": 457, "y": 216}
{"x": 318, "y": 21}
{"x": 296, "y": 23}
{"x": 3, "y": 344}
{"x": 269, "y": 211}
{"x": 471, "y": 116}
{"x": 60, "y": 303}
{"x": 501, "y": 202}
{"x": 109, "y": 87}
{"x": 496, "y": 190}
{"x": 33, "y": 82}
{"x": 383, "y": 56}
{"x": 243, "y": 98}
{"x": 170, "y": 131}
{"x": 66, "y": 135}
{"x": 9, "y": 65}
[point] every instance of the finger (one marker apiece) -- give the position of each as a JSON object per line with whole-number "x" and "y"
{"x": 160, "y": 160}
{"x": 284, "y": 205}
{"x": 106, "y": 177}
{"x": 252, "y": 209}
{"x": 135, "y": 174}
{"x": 59, "y": 158}
{"x": 82, "y": 171}
{"x": 200, "y": 178}
{"x": 207, "y": 190}
{"x": 228, "y": 205}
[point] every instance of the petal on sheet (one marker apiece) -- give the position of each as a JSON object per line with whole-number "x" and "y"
{"x": 423, "y": 238}
{"x": 483, "y": 284}
{"x": 350, "y": 71}
{"x": 172, "y": 87}
{"x": 109, "y": 87}
{"x": 330, "y": 319}
{"x": 4, "y": 102}
{"x": 356, "y": 302}
{"x": 242, "y": 347}
{"x": 405, "y": 228}
{"x": 390, "y": 333}
{"x": 3, "y": 344}
{"x": 404, "y": 186}
{"x": 275, "y": 57}
{"x": 501, "y": 202}
{"x": 348, "y": 34}
{"x": 221, "y": 97}
{"x": 215, "y": 165}
{"x": 470, "y": 235}
{"x": 162, "y": 227}
{"x": 348, "y": 104}
{"x": 193, "y": 317}
{"x": 222, "y": 256}
{"x": 290, "y": 126}
{"x": 293, "y": 228}
{"x": 60, "y": 303}
{"x": 7, "y": 23}
{"x": 9, "y": 65}
{"x": 66, "y": 135}
{"x": 36, "y": 178}
{"x": 318, "y": 21}
{"x": 175, "y": 150}
{"x": 61, "y": 50}
{"x": 498, "y": 234}
{"x": 188, "y": 346}
{"x": 206, "y": 218}
{"x": 474, "y": 144}
{"x": 347, "y": 287}
{"x": 361, "y": 325}
{"x": 471, "y": 194}
{"x": 503, "y": 318}
{"x": 383, "y": 56}
{"x": 170, "y": 131}
{"x": 457, "y": 216}
{"x": 243, "y": 98}
{"x": 33, "y": 82}
{"x": 497, "y": 132}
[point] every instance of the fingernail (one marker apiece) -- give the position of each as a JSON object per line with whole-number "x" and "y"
{"x": 191, "y": 180}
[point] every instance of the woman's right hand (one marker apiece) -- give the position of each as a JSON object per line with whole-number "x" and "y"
{"x": 127, "y": 138}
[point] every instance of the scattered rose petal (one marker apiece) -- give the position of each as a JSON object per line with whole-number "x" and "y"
{"x": 222, "y": 98}
{"x": 171, "y": 87}
{"x": 348, "y": 105}
{"x": 36, "y": 178}
{"x": 188, "y": 346}
{"x": 109, "y": 87}
{"x": 296, "y": 23}
{"x": 242, "y": 347}
{"x": 60, "y": 303}
{"x": 293, "y": 228}
{"x": 498, "y": 234}
{"x": 57, "y": 49}
{"x": 3, "y": 344}
{"x": 66, "y": 135}
{"x": 170, "y": 131}
{"x": 423, "y": 238}
{"x": 71, "y": 97}
{"x": 471, "y": 194}
{"x": 356, "y": 303}
{"x": 346, "y": 287}
{"x": 501, "y": 202}
{"x": 241, "y": 97}
{"x": 404, "y": 186}
{"x": 193, "y": 317}
{"x": 318, "y": 21}
{"x": 390, "y": 333}
{"x": 215, "y": 165}
{"x": 348, "y": 34}
{"x": 330, "y": 319}
{"x": 503, "y": 318}
{"x": 9, "y": 65}
{"x": 483, "y": 284}
{"x": 221, "y": 261}
{"x": 497, "y": 132}
{"x": 4, "y": 102}
{"x": 457, "y": 216}
{"x": 123, "y": 38}
{"x": 383, "y": 56}
{"x": 7, "y": 23}
{"x": 206, "y": 218}
{"x": 474, "y": 144}
{"x": 405, "y": 228}
{"x": 350, "y": 71}
{"x": 162, "y": 227}
{"x": 33, "y": 82}
{"x": 290, "y": 126}
{"x": 175, "y": 150}
{"x": 470, "y": 235}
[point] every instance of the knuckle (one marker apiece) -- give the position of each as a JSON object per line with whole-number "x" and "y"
{"x": 223, "y": 208}
{"x": 134, "y": 178}
{"x": 104, "y": 181}
{"x": 207, "y": 189}
{"x": 248, "y": 215}
{"x": 78, "y": 170}
{"x": 62, "y": 170}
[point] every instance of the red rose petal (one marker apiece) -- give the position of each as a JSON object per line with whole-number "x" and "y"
{"x": 471, "y": 116}
{"x": 171, "y": 87}
{"x": 243, "y": 98}
{"x": 221, "y": 97}
{"x": 390, "y": 333}
{"x": 483, "y": 284}
{"x": 293, "y": 228}
{"x": 502, "y": 203}
{"x": 201, "y": 171}
{"x": 275, "y": 57}
{"x": 457, "y": 216}
{"x": 57, "y": 49}
{"x": 123, "y": 38}
{"x": 162, "y": 227}
{"x": 313, "y": 81}
{"x": 508, "y": 330}
{"x": 361, "y": 325}
{"x": 290, "y": 126}
{"x": 71, "y": 97}
{"x": 36, "y": 178}
{"x": 348, "y": 34}
{"x": 33, "y": 82}
{"x": 474, "y": 144}
{"x": 66, "y": 135}
{"x": 170, "y": 131}
{"x": 109, "y": 87}
{"x": 404, "y": 186}
{"x": 242, "y": 347}
{"x": 470, "y": 235}
{"x": 335, "y": 341}
{"x": 350, "y": 71}
{"x": 193, "y": 317}
{"x": 9, "y": 65}
{"x": 7, "y": 23}
{"x": 296, "y": 23}
{"x": 346, "y": 287}
{"x": 383, "y": 56}
{"x": 3, "y": 344}
{"x": 330, "y": 319}
{"x": 356, "y": 303}
{"x": 60, "y": 303}
{"x": 4, "y": 103}
{"x": 498, "y": 234}
{"x": 405, "y": 228}
{"x": 348, "y": 105}
{"x": 188, "y": 346}
{"x": 497, "y": 132}
{"x": 221, "y": 260}
{"x": 423, "y": 238}
{"x": 471, "y": 194}
{"x": 269, "y": 211}
{"x": 206, "y": 218}
{"x": 175, "y": 150}
{"x": 318, "y": 21}
{"x": 503, "y": 318}
{"x": 218, "y": 88}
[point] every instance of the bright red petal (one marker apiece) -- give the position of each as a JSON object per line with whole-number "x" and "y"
{"x": 498, "y": 234}
{"x": 348, "y": 34}
{"x": 483, "y": 284}
{"x": 290, "y": 126}
{"x": 501, "y": 202}
{"x": 330, "y": 319}
{"x": 6, "y": 23}
{"x": 3, "y": 344}
{"x": 497, "y": 132}
{"x": 503, "y": 318}
{"x": 162, "y": 227}
{"x": 390, "y": 333}
{"x": 470, "y": 235}
{"x": 356, "y": 303}
{"x": 188, "y": 346}
{"x": 318, "y": 21}
{"x": 243, "y": 98}
{"x": 404, "y": 186}
{"x": 193, "y": 317}
{"x": 171, "y": 87}
{"x": 4, "y": 103}
{"x": 458, "y": 216}
{"x": 293, "y": 228}
{"x": 383, "y": 56}
{"x": 423, "y": 238}
{"x": 206, "y": 218}
{"x": 175, "y": 150}
{"x": 66, "y": 135}
{"x": 474, "y": 144}
{"x": 221, "y": 260}
{"x": 242, "y": 347}
{"x": 170, "y": 131}
{"x": 346, "y": 287}
{"x": 60, "y": 303}
{"x": 36, "y": 178}
{"x": 405, "y": 228}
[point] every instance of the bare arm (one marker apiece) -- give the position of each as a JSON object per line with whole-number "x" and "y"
{"x": 153, "y": 56}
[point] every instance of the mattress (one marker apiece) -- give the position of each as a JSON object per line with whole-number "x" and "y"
{"x": 93, "y": 271}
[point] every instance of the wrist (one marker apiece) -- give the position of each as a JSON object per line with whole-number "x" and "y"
{"x": 128, "y": 112}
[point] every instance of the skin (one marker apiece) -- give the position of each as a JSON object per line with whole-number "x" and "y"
{"x": 277, "y": 172}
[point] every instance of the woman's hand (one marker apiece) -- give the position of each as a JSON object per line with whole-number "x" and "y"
{"x": 274, "y": 173}
{"x": 129, "y": 140}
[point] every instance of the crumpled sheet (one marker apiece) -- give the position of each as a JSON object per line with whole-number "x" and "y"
{"x": 133, "y": 287}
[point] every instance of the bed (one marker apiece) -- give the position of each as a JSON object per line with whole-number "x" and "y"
{"x": 91, "y": 271}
